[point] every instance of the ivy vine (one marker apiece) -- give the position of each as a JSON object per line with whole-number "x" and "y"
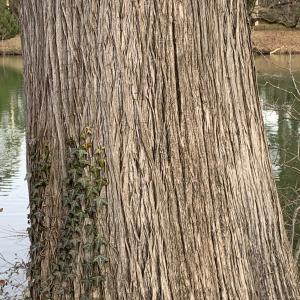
{"x": 80, "y": 248}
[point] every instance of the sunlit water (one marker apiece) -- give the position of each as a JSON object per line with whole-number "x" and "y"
{"x": 278, "y": 78}
{"x": 13, "y": 188}
{"x": 279, "y": 89}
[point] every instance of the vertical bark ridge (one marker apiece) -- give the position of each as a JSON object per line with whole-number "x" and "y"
{"x": 168, "y": 88}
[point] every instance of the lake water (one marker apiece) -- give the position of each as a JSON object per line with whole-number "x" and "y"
{"x": 278, "y": 77}
{"x": 13, "y": 188}
{"x": 279, "y": 88}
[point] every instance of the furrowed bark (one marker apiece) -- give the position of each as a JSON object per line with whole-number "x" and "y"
{"x": 168, "y": 89}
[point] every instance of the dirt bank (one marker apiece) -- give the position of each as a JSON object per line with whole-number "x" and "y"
{"x": 276, "y": 41}
{"x": 11, "y": 46}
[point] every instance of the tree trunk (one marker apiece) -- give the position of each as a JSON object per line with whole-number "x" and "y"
{"x": 149, "y": 173}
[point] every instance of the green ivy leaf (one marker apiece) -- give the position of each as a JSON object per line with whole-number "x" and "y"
{"x": 101, "y": 201}
{"x": 101, "y": 259}
{"x": 81, "y": 152}
{"x": 98, "y": 279}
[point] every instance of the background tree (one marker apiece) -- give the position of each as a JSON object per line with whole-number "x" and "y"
{"x": 285, "y": 13}
{"x": 149, "y": 173}
{"x": 9, "y": 25}
{"x": 13, "y": 5}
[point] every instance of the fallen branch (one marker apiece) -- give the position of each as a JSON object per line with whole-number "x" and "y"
{"x": 276, "y": 50}
{"x": 274, "y": 21}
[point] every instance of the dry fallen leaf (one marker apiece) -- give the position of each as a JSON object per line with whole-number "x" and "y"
{"x": 2, "y": 282}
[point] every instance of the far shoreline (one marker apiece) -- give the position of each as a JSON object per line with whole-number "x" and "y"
{"x": 11, "y": 47}
{"x": 264, "y": 42}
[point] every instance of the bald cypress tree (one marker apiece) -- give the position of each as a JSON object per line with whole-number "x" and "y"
{"x": 149, "y": 173}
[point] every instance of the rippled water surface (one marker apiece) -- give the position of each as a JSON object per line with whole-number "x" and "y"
{"x": 279, "y": 89}
{"x": 13, "y": 188}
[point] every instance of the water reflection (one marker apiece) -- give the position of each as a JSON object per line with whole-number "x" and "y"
{"x": 13, "y": 188}
{"x": 279, "y": 85}
{"x": 11, "y": 128}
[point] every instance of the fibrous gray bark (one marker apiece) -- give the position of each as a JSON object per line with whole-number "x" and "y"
{"x": 146, "y": 148}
